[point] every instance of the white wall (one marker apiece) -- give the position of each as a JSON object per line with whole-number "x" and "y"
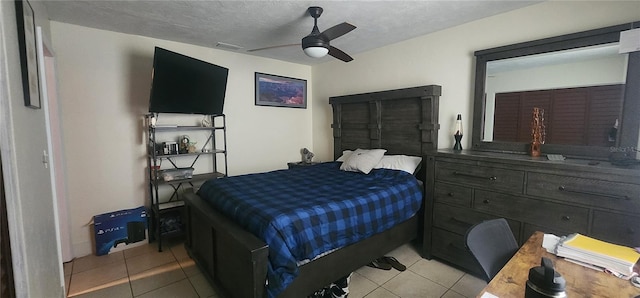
{"x": 30, "y": 206}
{"x": 446, "y": 58}
{"x": 104, "y": 92}
{"x": 567, "y": 75}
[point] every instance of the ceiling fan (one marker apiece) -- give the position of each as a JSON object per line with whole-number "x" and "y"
{"x": 317, "y": 44}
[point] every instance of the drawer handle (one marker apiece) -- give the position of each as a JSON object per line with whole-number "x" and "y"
{"x": 462, "y": 222}
{"x": 458, "y": 247}
{"x": 450, "y": 194}
{"x": 606, "y": 195}
{"x": 566, "y": 218}
{"x": 486, "y": 201}
{"x": 491, "y": 178}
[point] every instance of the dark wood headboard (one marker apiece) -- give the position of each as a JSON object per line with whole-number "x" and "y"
{"x": 402, "y": 121}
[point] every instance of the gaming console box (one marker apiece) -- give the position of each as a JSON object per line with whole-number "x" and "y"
{"x": 120, "y": 230}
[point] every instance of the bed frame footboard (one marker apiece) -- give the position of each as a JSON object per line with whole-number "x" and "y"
{"x": 235, "y": 261}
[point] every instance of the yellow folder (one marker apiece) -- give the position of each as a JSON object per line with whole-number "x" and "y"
{"x": 600, "y": 247}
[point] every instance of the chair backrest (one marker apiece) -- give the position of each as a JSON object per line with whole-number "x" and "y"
{"x": 492, "y": 243}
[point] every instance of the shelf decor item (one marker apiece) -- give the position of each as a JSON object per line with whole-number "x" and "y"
{"x": 307, "y": 155}
{"x": 457, "y": 134}
{"x": 151, "y": 120}
{"x": 184, "y": 145}
{"x": 537, "y": 131}
{"x": 277, "y": 91}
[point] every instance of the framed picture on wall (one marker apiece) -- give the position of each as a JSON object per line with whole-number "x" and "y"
{"x": 28, "y": 57}
{"x": 278, "y": 91}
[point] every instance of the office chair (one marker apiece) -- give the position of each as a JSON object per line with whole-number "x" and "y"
{"x": 492, "y": 244}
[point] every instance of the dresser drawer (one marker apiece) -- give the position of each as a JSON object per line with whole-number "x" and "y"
{"x": 616, "y": 228}
{"x": 451, "y": 247}
{"x": 459, "y": 220}
{"x": 480, "y": 176}
{"x": 553, "y": 215}
{"x": 593, "y": 192}
{"x": 452, "y": 194}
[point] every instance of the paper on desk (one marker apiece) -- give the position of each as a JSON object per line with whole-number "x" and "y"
{"x": 594, "y": 267}
{"x": 616, "y": 258}
{"x": 488, "y": 295}
{"x": 550, "y": 242}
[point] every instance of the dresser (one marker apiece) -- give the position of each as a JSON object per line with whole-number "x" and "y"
{"x": 534, "y": 194}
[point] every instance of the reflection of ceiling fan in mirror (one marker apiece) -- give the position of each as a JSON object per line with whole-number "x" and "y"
{"x": 316, "y": 44}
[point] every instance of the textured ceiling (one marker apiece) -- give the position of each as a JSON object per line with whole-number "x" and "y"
{"x": 258, "y": 24}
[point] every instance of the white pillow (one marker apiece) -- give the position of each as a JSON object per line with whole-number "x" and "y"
{"x": 362, "y": 160}
{"x": 345, "y": 155}
{"x": 399, "y": 162}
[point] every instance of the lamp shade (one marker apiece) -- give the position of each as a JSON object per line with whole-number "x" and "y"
{"x": 457, "y": 130}
{"x": 316, "y": 52}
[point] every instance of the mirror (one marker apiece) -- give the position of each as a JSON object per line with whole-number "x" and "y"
{"x": 580, "y": 90}
{"x": 581, "y": 82}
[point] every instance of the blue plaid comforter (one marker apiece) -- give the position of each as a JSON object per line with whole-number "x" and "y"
{"x": 303, "y": 212}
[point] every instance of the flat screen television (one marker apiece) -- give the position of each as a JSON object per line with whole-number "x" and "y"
{"x": 185, "y": 85}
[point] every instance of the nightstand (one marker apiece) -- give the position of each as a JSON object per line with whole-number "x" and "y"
{"x": 297, "y": 164}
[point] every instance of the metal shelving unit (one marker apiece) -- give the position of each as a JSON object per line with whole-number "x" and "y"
{"x": 162, "y": 209}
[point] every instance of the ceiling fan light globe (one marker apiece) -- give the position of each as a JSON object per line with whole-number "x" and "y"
{"x": 316, "y": 52}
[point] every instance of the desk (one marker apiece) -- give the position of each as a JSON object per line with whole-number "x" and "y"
{"x": 581, "y": 281}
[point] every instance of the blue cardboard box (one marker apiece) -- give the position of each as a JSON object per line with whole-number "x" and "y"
{"x": 115, "y": 231}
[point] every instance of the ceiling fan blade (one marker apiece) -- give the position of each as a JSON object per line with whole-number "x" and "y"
{"x": 274, "y": 47}
{"x": 338, "y": 54}
{"x": 338, "y": 30}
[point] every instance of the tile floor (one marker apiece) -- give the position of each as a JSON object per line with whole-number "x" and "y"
{"x": 144, "y": 272}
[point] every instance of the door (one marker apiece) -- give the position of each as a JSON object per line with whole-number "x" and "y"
{"x": 48, "y": 87}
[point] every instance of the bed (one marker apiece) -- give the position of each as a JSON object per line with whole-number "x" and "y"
{"x": 403, "y": 121}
